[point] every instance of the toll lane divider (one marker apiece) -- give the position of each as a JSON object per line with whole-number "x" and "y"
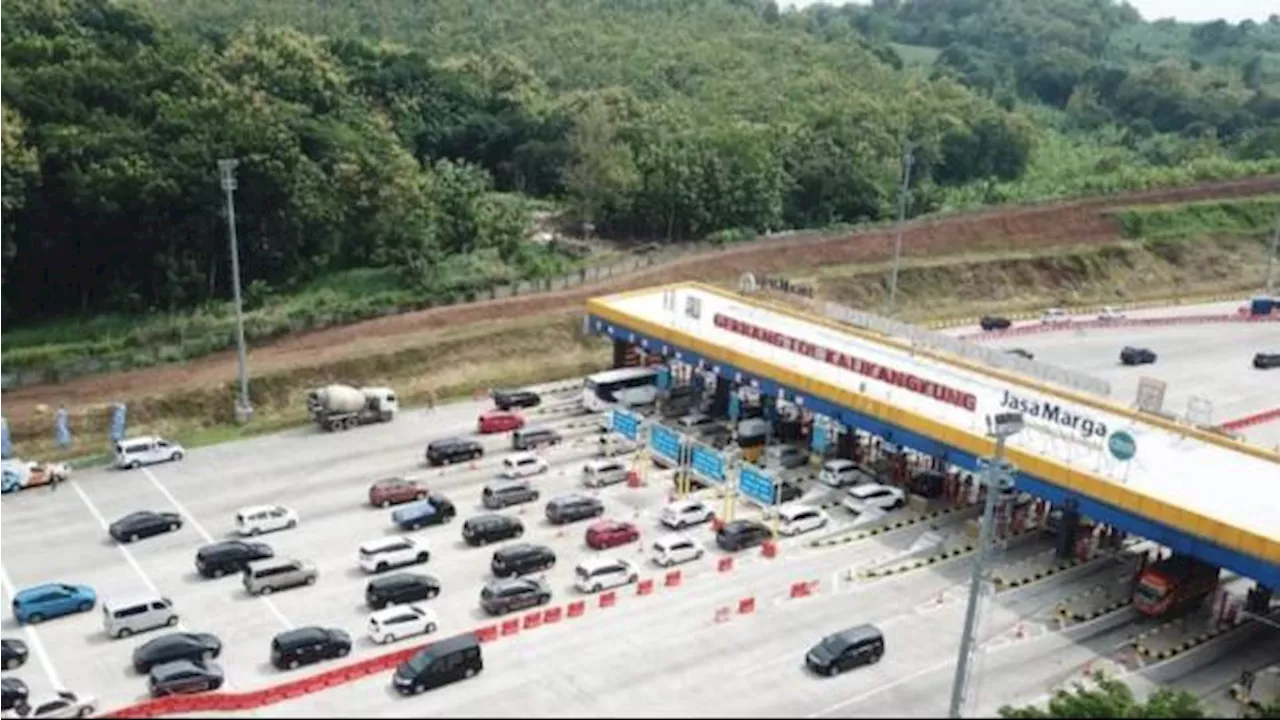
{"x": 1261, "y": 418}
{"x": 1091, "y": 309}
{"x": 1187, "y": 644}
{"x": 889, "y": 527}
{"x": 1097, "y": 612}
{"x": 508, "y": 627}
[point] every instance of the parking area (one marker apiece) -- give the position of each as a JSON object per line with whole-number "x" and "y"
{"x": 60, "y": 535}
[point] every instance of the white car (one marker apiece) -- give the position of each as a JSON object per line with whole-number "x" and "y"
{"x": 136, "y": 452}
{"x": 676, "y": 549}
{"x": 1109, "y": 313}
{"x": 601, "y": 573}
{"x": 874, "y": 495}
{"x": 523, "y": 464}
{"x": 65, "y": 704}
{"x": 599, "y": 473}
{"x": 683, "y": 513}
{"x": 838, "y": 473}
{"x": 258, "y": 519}
{"x": 798, "y": 519}
{"x": 612, "y": 444}
{"x": 385, "y": 553}
{"x": 1055, "y": 316}
{"x": 401, "y": 621}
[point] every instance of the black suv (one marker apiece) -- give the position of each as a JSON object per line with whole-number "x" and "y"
{"x": 401, "y": 587}
{"x": 742, "y": 534}
{"x": 789, "y": 490}
{"x": 230, "y": 557}
{"x": 15, "y": 653}
{"x": 994, "y": 322}
{"x": 507, "y": 399}
{"x": 521, "y": 558}
{"x": 307, "y": 645}
{"x": 571, "y": 508}
{"x": 1263, "y": 361}
{"x": 484, "y": 529}
{"x": 453, "y": 450}
{"x": 504, "y": 596}
{"x": 1137, "y": 356}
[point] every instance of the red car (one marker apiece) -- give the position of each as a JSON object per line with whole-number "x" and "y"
{"x": 497, "y": 421}
{"x": 611, "y": 533}
{"x": 396, "y": 490}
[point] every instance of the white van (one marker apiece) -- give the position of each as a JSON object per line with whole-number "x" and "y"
{"x": 265, "y": 518}
{"x": 599, "y": 473}
{"x": 596, "y": 574}
{"x": 135, "y": 615}
{"x": 139, "y": 451}
{"x": 797, "y": 519}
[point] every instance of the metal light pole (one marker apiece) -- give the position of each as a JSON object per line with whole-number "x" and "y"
{"x": 908, "y": 159}
{"x": 1001, "y": 426}
{"x": 1271, "y": 258}
{"x": 226, "y": 171}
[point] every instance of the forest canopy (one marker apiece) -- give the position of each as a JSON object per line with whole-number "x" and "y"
{"x": 416, "y": 135}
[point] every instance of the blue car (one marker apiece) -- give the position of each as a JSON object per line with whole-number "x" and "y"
{"x": 435, "y": 510}
{"x": 39, "y": 603}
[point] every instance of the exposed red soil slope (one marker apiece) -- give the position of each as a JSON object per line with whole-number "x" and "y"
{"x": 1081, "y": 221}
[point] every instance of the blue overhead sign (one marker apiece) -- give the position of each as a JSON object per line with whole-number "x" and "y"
{"x": 755, "y": 484}
{"x": 819, "y": 440}
{"x": 626, "y": 424}
{"x": 707, "y": 463}
{"x": 665, "y": 442}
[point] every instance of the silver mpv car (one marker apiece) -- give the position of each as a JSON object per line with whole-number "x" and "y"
{"x": 262, "y": 577}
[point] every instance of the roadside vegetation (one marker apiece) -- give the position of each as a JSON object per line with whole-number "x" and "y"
{"x": 403, "y": 149}
{"x": 1108, "y": 697}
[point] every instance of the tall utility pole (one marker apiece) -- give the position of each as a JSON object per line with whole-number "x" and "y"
{"x": 1271, "y": 259}
{"x": 908, "y": 159}
{"x": 227, "y": 173}
{"x": 1001, "y": 426}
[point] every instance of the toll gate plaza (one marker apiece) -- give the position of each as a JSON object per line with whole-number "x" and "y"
{"x": 1146, "y": 474}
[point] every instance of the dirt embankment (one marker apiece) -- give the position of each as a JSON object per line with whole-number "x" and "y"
{"x": 1076, "y": 222}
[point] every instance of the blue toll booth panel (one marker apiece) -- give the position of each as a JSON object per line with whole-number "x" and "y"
{"x": 756, "y": 484}
{"x": 819, "y": 440}
{"x": 626, "y": 424}
{"x": 665, "y": 442}
{"x": 707, "y": 464}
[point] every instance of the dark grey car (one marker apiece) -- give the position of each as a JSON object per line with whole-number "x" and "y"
{"x": 175, "y": 646}
{"x": 503, "y": 596}
{"x": 184, "y": 677}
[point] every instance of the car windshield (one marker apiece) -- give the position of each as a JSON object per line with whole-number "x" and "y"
{"x": 419, "y": 662}
{"x": 834, "y": 644}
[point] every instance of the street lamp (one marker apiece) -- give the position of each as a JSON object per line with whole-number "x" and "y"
{"x": 226, "y": 172}
{"x": 1001, "y": 426}
{"x": 908, "y": 159}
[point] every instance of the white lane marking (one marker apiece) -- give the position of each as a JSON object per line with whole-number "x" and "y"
{"x": 106, "y": 527}
{"x": 33, "y": 638}
{"x": 195, "y": 524}
{"x": 178, "y": 506}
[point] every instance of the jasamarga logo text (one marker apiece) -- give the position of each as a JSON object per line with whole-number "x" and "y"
{"x": 1054, "y": 414}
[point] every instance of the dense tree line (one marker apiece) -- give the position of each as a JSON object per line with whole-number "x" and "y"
{"x": 1098, "y": 60}
{"x": 407, "y": 135}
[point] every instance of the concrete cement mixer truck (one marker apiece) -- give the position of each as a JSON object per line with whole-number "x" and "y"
{"x": 342, "y": 407}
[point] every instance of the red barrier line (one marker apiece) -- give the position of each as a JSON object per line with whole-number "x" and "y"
{"x": 1265, "y": 416}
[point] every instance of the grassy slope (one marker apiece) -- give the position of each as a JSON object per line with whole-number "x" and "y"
{"x": 459, "y": 360}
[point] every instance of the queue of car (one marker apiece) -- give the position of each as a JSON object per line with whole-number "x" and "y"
{"x": 183, "y": 662}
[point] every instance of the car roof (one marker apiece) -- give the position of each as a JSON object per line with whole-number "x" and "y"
{"x": 129, "y": 600}
{"x": 398, "y": 578}
{"x": 859, "y": 633}
{"x": 491, "y": 518}
{"x": 513, "y": 581}
{"x": 302, "y": 634}
{"x": 173, "y": 666}
{"x": 518, "y": 456}
{"x": 867, "y": 489}
{"x": 683, "y": 504}
{"x": 277, "y": 560}
{"x": 41, "y": 588}
{"x": 254, "y": 509}
{"x": 140, "y": 438}
{"x": 397, "y": 480}
{"x": 743, "y": 524}
{"x": 838, "y": 463}
{"x": 793, "y": 510}
{"x": 591, "y": 562}
{"x": 386, "y": 542}
{"x": 397, "y": 609}
{"x": 673, "y": 538}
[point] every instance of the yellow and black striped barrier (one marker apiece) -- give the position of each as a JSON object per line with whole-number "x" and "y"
{"x": 921, "y": 562}
{"x": 1002, "y": 583}
{"x": 1181, "y": 647}
{"x": 1097, "y": 612}
{"x": 881, "y": 529}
